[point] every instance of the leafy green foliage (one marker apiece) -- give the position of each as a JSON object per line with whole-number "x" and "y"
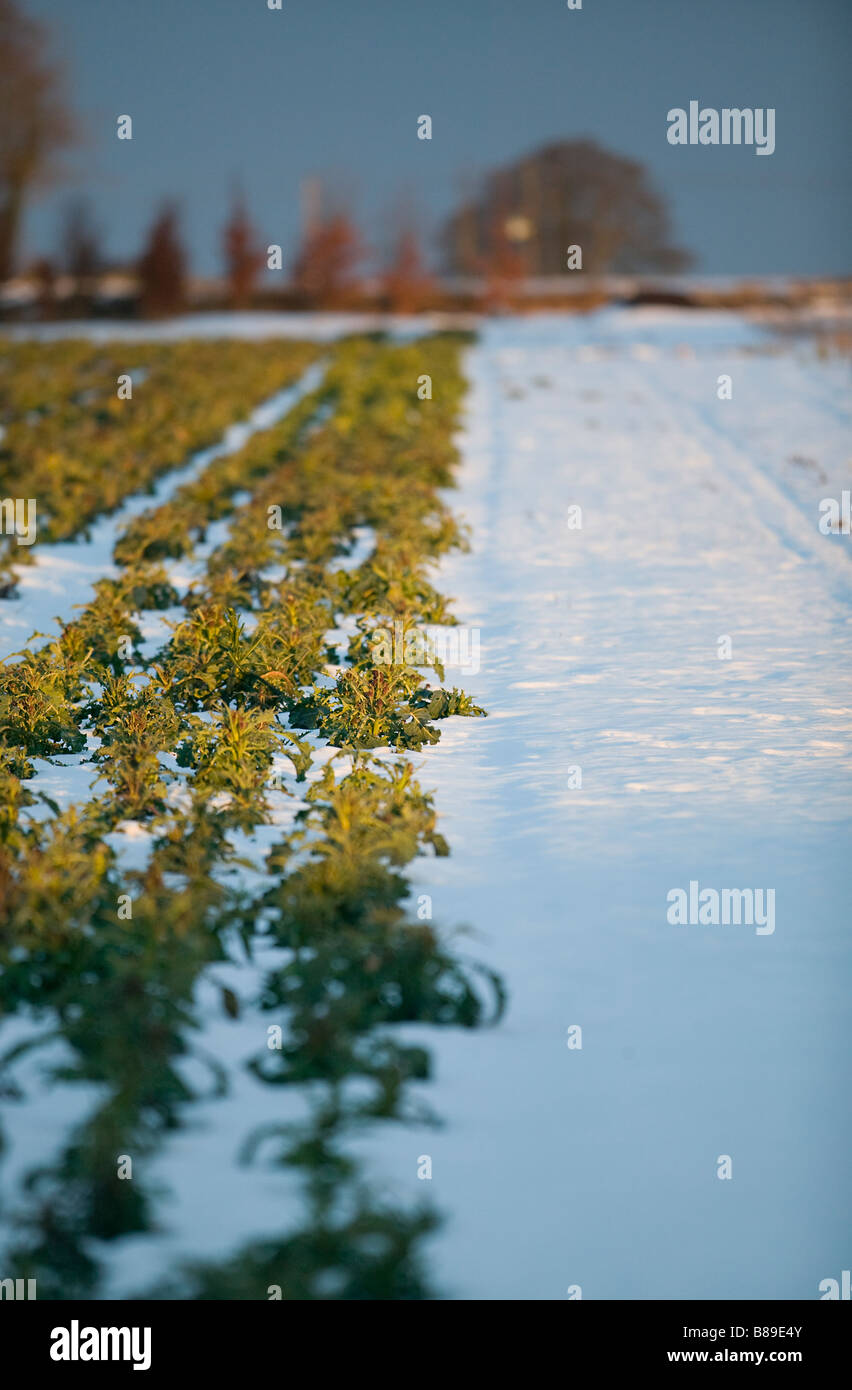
{"x": 183, "y": 747}
{"x": 71, "y": 443}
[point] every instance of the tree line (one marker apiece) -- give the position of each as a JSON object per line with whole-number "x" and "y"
{"x": 516, "y": 224}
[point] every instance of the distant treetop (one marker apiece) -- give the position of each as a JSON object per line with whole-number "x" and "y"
{"x": 571, "y": 193}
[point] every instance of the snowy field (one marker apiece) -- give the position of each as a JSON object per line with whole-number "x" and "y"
{"x": 623, "y": 758}
{"x": 322, "y": 327}
{"x": 597, "y": 1166}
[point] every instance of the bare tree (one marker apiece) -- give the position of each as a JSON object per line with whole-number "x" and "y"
{"x": 44, "y": 274}
{"x": 243, "y": 257}
{"x": 80, "y": 243}
{"x": 36, "y": 121}
{"x": 162, "y": 266}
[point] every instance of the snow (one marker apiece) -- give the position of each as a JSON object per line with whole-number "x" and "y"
{"x": 318, "y": 327}
{"x": 597, "y": 1167}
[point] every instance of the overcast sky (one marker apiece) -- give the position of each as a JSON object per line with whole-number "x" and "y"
{"x": 218, "y": 88}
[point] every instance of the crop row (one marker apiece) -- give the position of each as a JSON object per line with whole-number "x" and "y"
{"x": 185, "y": 745}
{"x": 79, "y": 448}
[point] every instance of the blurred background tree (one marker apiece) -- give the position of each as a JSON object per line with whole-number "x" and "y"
{"x": 44, "y": 276}
{"x": 36, "y": 122}
{"x": 502, "y": 267}
{"x": 573, "y": 192}
{"x": 80, "y": 252}
{"x": 243, "y": 256}
{"x": 325, "y": 269}
{"x": 162, "y": 266}
{"x": 407, "y": 286}
{"x": 80, "y": 240}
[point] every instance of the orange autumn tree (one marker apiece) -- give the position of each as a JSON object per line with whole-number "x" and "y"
{"x": 324, "y": 272}
{"x": 162, "y": 266}
{"x": 407, "y": 286}
{"x": 503, "y": 267}
{"x": 243, "y": 257}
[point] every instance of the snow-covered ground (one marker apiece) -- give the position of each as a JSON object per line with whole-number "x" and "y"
{"x": 560, "y": 1166}
{"x": 597, "y": 1167}
{"x": 319, "y": 327}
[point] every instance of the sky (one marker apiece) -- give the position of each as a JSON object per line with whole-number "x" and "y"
{"x": 225, "y": 89}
